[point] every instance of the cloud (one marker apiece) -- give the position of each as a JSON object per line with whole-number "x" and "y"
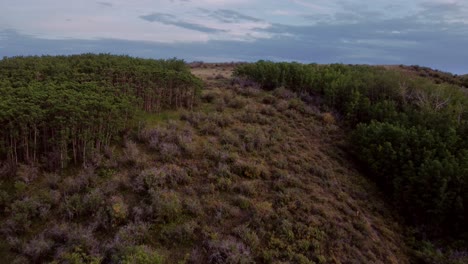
{"x": 169, "y": 19}
{"x": 445, "y": 53}
{"x": 105, "y": 4}
{"x": 229, "y": 16}
{"x": 426, "y": 32}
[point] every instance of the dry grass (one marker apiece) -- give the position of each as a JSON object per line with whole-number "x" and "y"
{"x": 248, "y": 176}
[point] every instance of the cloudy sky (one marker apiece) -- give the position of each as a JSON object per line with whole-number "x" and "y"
{"x": 426, "y": 32}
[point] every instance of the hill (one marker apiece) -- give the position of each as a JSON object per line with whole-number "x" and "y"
{"x": 435, "y": 75}
{"x": 241, "y": 174}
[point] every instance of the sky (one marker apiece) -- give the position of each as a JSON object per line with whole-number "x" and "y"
{"x": 431, "y": 33}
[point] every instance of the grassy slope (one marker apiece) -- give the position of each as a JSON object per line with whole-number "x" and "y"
{"x": 248, "y": 175}
{"x": 309, "y": 192}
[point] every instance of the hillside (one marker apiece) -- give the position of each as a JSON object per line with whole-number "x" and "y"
{"x": 435, "y": 75}
{"x": 232, "y": 173}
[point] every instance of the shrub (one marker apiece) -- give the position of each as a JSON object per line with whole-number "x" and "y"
{"x": 243, "y": 82}
{"x": 141, "y": 255}
{"x": 182, "y": 234}
{"x": 264, "y": 209}
{"x": 268, "y": 111}
{"x": 175, "y": 175}
{"x": 269, "y": 99}
{"x": 23, "y": 213}
{"x": 284, "y": 93}
{"x": 72, "y": 206}
{"x": 78, "y": 256}
{"x": 7, "y": 169}
{"x": 20, "y": 187}
{"x": 297, "y": 104}
{"x": 77, "y": 183}
{"x": 169, "y": 151}
{"x": 253, "y": 139}
{"x": 224, "y": 184}
{"x": 93, "y": 200}
{"x": 230, "y": 138}
{"x": 37, "y": 248}
{"x": 228, "y": 250}
{"x": 209, "y": 97}
{"x": 282, "y": 105}
{"x": 219, "y": 76}
{"x": 247, "y": 188}
{"x": 242, "y": 202}
{"x": 249, "y": 169}
{"x": 5, "y": 199}
{"x": 148, "y": 179}
{"x": 52, "y": 180}
{"x": 166, "y": 206}
{"x": 158, "y": 178}
{"x": 131, "y": 234}
{"x": 248, "y": 236}
{"x": 131, "y": 153}
{"x": 248, "y": 91}
{"x": 209, "y": 128}
{"x": 328, "y": 119}
{"x": 27, "y": 173}
{"x": 193, "y": 207}
{"x": 118, "y": 210}
{"x": 237, "y": 103}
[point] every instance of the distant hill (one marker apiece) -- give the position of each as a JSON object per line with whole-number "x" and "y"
{"x": 435, "y": 75}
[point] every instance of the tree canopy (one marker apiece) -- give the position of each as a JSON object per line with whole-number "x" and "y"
{"x": 65, "y": 108}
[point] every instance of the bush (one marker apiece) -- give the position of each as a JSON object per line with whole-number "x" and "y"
{"x": 131, "y": 234}
{"x": 141, "y": 255}
{"x": 228, "y": 251}
{"x": 118, "y": 210}
{"x": 7, "y": 169}
{"x": 37, "y": 248}
{"x": 23, "y": 213}
{"x": 166, "y": 206}
{"x": 237, "y": 102}
{"x": 178, "y": 235}
{"x": 73, "y": 206}
{"x": 5, "y": 199}
{"x": 78, "y": 256}
{"x": 328, "y": 119}
{"x": 209, "y": 97}
{"x": 249, "y": 169}
{"x": 131, "y": 153}
{"x": 27, "y": 173}
{"x": 158, "y": 178}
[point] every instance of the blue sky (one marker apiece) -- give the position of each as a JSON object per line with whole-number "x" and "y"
{"x": 432, "y": 33}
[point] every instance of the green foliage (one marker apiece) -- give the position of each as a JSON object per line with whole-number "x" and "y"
{"x": 141, "y": 255}
{"x": 67, "y": 108}
{"x": 409, "y": 132}
{"x": 78, "y": 256}
{"x": 422, "y": 169}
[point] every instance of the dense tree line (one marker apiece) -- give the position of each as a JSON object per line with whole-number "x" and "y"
{"x": 66, "y": 108}
{"x": 159, "y": 84}
{"x": 410, "y": 132}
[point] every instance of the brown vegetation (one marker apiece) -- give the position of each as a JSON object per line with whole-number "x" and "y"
{"x": 247, "y": 176}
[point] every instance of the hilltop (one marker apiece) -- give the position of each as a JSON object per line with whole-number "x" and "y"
{"x": 233, "y": 173}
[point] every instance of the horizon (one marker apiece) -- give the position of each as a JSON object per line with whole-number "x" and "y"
{"x": 429, "y": 33}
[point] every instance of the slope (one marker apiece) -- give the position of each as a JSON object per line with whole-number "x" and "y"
{"x": 246, "y": 176}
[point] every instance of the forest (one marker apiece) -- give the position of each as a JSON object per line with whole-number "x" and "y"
{"x": 115, "y": 159}
{"x": 409, "y": 133}
{"x": 63, "y": 109}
